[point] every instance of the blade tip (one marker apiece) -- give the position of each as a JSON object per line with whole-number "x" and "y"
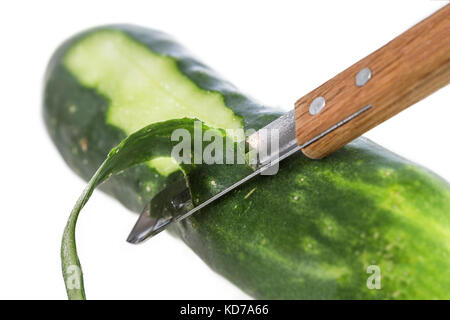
{"x": 133, "y": 239}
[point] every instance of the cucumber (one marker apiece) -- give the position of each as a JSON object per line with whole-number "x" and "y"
{"x": 316, "y": 230}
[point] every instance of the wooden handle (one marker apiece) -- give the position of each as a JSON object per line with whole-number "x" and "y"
{"x": 404, "y": 71}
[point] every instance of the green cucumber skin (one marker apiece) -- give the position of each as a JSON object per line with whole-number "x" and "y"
{"x": 87, "y": 126}
{"x": 310, "y": 232}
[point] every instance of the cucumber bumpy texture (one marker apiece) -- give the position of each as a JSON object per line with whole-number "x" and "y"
{"x": 313, "y": 231}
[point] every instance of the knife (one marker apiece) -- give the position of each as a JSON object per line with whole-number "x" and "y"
{"x": 399, "y": 74}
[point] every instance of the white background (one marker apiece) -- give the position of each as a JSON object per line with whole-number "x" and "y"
{"x": 276, "y": 51}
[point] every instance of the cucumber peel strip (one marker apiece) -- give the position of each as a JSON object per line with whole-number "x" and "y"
{"x": 150, "y": 142}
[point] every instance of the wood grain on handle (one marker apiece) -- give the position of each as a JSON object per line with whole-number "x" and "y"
{"x": 404, "y": 71}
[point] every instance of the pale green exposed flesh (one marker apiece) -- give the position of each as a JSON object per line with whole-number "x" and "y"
{"x": 143, "y": 87}
{"x": 329, "y": 221}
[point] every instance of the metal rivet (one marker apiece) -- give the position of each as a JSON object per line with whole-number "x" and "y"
{"x": 363, "y": 77}
{"x": 316, "y": 105}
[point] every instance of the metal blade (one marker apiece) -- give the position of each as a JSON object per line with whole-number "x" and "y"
{"x": 167, "y": 207}
{"x": 168, "y": 204}
{"x": 145, "y": 226}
